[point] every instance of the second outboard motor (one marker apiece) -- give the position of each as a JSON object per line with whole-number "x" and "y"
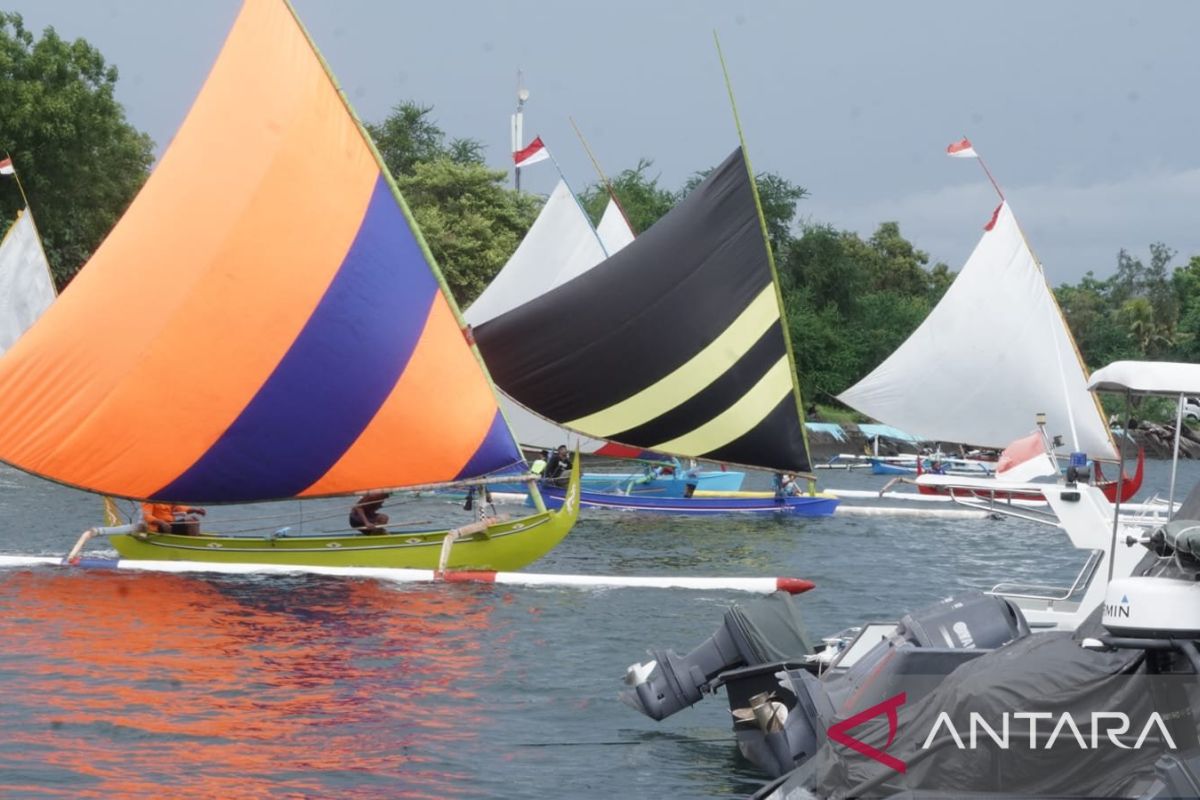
{"x": 928, "y": 645}
{"x": 966, "y": 621}
{"x": 766, "y": 631}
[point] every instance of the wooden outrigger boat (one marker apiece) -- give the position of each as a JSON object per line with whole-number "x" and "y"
{"x": 722, "y": 387}
{"x": 705, "y": 503}
{"x": 561, "y": 245}
{"x": 293, "y": 338}
{"x": 988, "y": 392}
{"x": 488, "y": 544}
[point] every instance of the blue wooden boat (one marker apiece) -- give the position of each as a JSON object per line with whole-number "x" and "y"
{"x": 801, "y": 505}
{"x": 723, "y": 389}
{"x": 655, "y": 483}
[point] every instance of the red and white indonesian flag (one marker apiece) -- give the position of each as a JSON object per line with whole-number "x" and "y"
{"x": 962, "y": 149}
{"x": 1026, "y": 459}
{"x": 6, "y": 166}
{"x": 535, "y": 152}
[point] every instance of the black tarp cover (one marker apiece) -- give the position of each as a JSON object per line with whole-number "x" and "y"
{"x": 674, "y": 344}
{"x": 1045, "y": 672}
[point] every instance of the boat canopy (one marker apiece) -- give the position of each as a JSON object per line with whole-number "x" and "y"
{"x": 675, "y": 344}
{"x": 265, "y": 321}
{"x": 992, "y": 354}
{"x": 26, "y": 288}
{"x": 1163, "y": 378}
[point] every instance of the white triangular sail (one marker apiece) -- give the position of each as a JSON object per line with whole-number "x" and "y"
{"x": 991, "y": 355}
{"x": 614, "y": 230}
{"x": 560, "y": 245}
{"x": 25, "y": 286}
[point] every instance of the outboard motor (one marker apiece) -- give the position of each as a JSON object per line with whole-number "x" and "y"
{"x": 766, "y": 631}
{"x": 926, "y": 646}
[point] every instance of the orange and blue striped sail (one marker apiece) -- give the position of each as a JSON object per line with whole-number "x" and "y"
{"x": 264, "y": 322}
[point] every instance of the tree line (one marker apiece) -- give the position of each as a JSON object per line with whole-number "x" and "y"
{"x": 850, "y": 301}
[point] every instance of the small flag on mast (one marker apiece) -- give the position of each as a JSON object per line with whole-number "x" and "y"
{"x": 962, "y": 149}
{"x": 6, "y": 167}
{"x": 535, "y": 152}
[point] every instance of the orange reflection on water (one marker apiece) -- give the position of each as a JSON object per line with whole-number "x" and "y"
{"x": 150, "y": 685}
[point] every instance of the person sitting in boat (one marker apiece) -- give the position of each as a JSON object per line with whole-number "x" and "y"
{"x": 170, "y": 518}
{"x": 557, "y": 467}
{"x": 366, "y": 517}
{"x": 786, "y": 486}
{"x": 539, "y": 465}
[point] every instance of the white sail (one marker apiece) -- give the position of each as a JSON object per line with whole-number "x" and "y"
{"x": 25, "y": 286}
{"x": 560, "y": 245}
{"x": 991, "y": 355}
{"x": 614, "y": 230}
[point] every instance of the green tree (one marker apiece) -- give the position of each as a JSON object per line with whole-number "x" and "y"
{"x": 823, "y": 261}
{"x": 1186, "y": 283}
{"x": 472, "y": 223}
{"x": 777, "y": 196}
{"x": 409, "y": 136}
{"x": 1151, "y": 336}
{"x": 1093, "y": 322}
{"x": 79, "y": 160}
{"x": 639, "y": 195}
{"x": 851, "y": 303}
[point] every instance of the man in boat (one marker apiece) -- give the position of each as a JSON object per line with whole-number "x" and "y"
{"x": 558, "y": 468}
{"x": 539, "y": 465}
{"x": 366, "y": 517}
{"x": 788, "y": 486}
{"x": 169, "y": 518}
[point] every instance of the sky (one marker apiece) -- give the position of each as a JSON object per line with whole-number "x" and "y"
{"x": 1084, "y": 110}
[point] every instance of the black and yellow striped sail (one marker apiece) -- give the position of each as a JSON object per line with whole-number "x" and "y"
{"x": 675, "y": 344}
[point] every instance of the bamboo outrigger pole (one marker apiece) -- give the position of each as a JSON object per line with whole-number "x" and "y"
{"x": 398, "y": 575}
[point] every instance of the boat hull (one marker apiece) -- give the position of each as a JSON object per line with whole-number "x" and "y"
{"x": 504, "y": 546}
{"x": 669, "y": 486}
{"x": 804, "y": 505}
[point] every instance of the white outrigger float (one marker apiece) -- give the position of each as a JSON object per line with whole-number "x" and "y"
{"x": 868, "y": 713}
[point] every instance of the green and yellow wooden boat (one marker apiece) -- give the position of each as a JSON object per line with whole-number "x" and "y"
{"x": 490, "y": 544}
{"x": 294, "y": 337}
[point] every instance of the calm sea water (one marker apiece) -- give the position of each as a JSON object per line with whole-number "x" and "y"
{"x": 139, "y": 685}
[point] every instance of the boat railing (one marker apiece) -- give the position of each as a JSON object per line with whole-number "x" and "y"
{"x": 1034, "y": 591}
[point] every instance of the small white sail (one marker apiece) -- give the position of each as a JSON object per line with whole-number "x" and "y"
{"x": 26, "y": 289}
{"x": 613, "y": 230}
{"x": 560, "y": 245}
{"x": 991, "y": 355}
